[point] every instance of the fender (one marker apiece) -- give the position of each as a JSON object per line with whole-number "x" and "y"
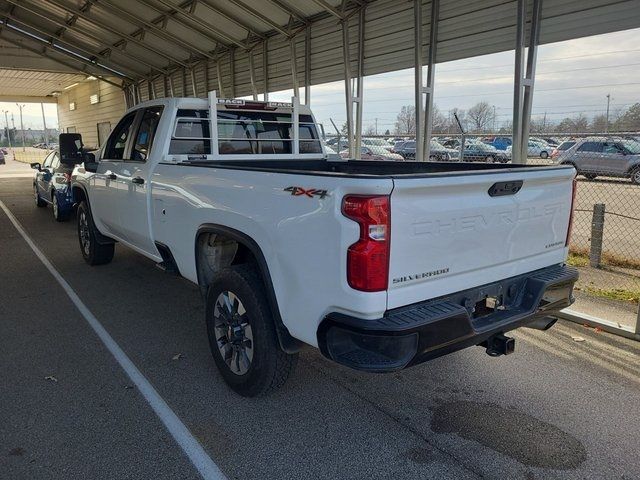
{"x": 102, "y": 239}
{"x": 288, "y": 343}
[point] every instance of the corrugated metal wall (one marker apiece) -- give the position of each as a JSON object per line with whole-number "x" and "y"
{"x": 85, "y": 117}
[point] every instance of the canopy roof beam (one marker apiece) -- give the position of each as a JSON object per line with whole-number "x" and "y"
{"x": 123, "y": 36}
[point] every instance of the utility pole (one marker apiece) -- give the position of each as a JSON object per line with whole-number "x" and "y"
{"x": 606, "y": 127}
{"x": 6, "y": 122}
{"x": 21, "y": 124}
{"x": 44, "y": 122}
{"x": 544, "y": 122}
{"x": 494, "y": 119}
{"x": 376, "y": 126}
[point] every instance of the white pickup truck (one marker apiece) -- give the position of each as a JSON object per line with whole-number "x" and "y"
{"x": 380, "y": 265}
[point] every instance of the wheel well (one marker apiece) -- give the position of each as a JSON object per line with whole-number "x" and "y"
{"x": 218, "y": 247}
{"x": 215, "y": 251}
{"x": 78, "y": 194}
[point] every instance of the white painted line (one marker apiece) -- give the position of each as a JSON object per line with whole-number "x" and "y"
{"x": 191, "y": 447}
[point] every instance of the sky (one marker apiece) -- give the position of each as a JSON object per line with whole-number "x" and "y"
{"x": 572, "y": 77}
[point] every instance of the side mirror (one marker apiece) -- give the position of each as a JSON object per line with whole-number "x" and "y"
{"x": 36, "y": 166}
{"x": 70, "y": 145}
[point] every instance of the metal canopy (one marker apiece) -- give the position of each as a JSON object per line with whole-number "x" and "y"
{"x": 156, "y": 48}
{"x": 142, "y": 41}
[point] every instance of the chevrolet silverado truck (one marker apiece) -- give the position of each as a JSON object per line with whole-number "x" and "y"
{"x": 379, "y": 265}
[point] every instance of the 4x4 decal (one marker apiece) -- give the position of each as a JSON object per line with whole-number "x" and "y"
{"x": 309, "y": 192}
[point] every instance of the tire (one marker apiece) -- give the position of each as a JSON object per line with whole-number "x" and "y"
{"x": 39, "y": 201}
{"x": 59, "y": 214}
{"x": 544, "y": 155}
{"x": 590, "y": 176}
{"x": 93, "y": 252}
{"x": 245, "y": 346}
{"x": 490, "y": 159}
{"x": 635, "y": 176}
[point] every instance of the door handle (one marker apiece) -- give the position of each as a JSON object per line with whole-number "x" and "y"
{"x": 111, "y": 176}
{"x": 137, "y": 180}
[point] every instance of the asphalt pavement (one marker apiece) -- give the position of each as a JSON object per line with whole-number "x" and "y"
{"x": 564, "y": 405}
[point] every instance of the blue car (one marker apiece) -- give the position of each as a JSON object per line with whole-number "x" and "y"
{"x": 52, "y": 185}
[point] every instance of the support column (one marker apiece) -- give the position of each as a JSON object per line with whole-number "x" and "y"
{"x": 347, "y": 85}
{"x": 516, "y": 147}
{"x": 252, "y": 75}
{"x": 358, "y": 99}
{"x": 529, "y": 80}
{"x": 265, "y": 69}
{"x": 294, "y": 67}
{"x": 417, "y": 55}
{"x": 307, "y": 65}
{"x": 431, "y": 74}
{"x": 232, "y": 70}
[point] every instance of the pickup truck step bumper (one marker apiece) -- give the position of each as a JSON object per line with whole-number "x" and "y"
{"x": 416, "y": 333}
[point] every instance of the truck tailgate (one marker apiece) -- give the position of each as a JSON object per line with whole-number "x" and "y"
{"x": 449, "y": 234}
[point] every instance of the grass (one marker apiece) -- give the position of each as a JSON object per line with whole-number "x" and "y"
{"x": 625, "y": 295}
{"x": 579, "y": 257}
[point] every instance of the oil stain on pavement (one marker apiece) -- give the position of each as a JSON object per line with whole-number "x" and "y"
{"x": 522, "y": 437}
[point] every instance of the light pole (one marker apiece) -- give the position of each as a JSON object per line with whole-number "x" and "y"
{"x": 6, "y": 122}
{"x": 606, "y": 126}
{"x": 44, "y": 123}
{"x": 21, "y": 124}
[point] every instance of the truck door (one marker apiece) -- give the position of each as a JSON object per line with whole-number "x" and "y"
{"x": 104, "y": 183}
{"x": 134, "y": 182}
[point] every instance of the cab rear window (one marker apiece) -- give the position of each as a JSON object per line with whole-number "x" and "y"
{"x": 242, "y": 132}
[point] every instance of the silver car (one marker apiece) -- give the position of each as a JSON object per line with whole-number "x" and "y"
{"x": 609, "y": 157}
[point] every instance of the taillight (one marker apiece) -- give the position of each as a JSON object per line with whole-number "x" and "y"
{"x": 368, "y": 258}
{"x": 573, "y": 201}
{"x": 67, "y": 178}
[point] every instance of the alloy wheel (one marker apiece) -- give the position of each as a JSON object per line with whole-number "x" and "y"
{"x": 234, "y": 335}
{"x": 85, "y": 237}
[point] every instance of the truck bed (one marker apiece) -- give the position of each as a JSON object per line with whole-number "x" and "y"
{"x": 368, "y": 168}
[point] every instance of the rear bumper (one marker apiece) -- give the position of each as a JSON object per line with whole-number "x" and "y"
{"x": 416, "y": 333}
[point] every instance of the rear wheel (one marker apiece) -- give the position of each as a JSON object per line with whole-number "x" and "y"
{"x": 39, "y": 202}
{"x": 635, "y": 176}
{"x": 544, "y": 155}
{"x": 93, "y": 252}
{"x": 489, "y": 159}
{"x": 61, "y": 215}
{"x": 242, "y": 335}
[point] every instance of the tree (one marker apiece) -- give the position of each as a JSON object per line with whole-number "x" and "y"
{"x": 577, "y": 124}
{"x": 599, "y": 124}
{"x": 406, "y": 121}
{"x": 370, "y": 130}
{"x": 481, "y": 116}
{"x": 440, "y": 122}
{"x": 387, "y": 132}
{"x": 629, "y": 121}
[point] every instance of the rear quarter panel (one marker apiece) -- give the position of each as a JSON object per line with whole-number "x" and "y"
{"x": 304, "y": 239}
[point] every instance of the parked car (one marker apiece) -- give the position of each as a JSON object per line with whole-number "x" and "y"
{"x": 609, "y": 157}
{"x": 373, "y": 152}
{"x": 379, "y": 265}
{"x": 562, "y": 147}
{"x": 52, "y": 185}
{"x": 377, "y": 142}
{"x": 481, "y": 152}
{"x": 534, "y": 149}
{"x": 437, "y": 152}
{"x": 499, "y": 143}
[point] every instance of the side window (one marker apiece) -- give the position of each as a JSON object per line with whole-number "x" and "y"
{"x": 117, "y": 143}
{"x": 146, "y": 133}
{"x": 590, "y": 147}
{"x": 48, "y": 160}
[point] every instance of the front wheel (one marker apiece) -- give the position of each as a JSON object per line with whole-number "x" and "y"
{"x": 59, "y": 214}
{"x": 489, "y": 159}
{"x": 544, "y": 155}
{"x": 242, "y": 334}
{"x": 94, "y": 253}
{"x": 635, "y": 176}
